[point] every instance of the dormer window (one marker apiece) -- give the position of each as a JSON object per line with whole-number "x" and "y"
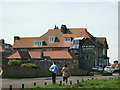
{"x": 67, "y": 39}
{"x": 38, "y": 42}
{"x": 6, "y": 46}
{"x": 75, "y": 43}
{"x": 52, "y": 38}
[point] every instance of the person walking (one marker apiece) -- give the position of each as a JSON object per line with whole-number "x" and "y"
{"x": 53, "y": 69}
{"x": 65, "y": 73}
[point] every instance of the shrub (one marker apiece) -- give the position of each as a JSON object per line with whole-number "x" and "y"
{"x": 30, "y": 65}
{"x": 14, "y": 62}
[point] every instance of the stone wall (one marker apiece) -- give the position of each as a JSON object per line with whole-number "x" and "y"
{"x": 43, "y": 70}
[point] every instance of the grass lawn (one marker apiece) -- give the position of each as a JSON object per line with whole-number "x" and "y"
{"x": 98, "y": 83}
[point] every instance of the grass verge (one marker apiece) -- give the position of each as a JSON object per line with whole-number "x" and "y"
{"x": 98, "y": 83}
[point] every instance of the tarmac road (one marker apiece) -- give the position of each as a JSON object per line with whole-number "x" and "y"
{"x": 29, "y": 82}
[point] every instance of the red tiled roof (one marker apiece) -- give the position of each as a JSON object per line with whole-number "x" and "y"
{"x": 28, "y": 42}
{"x": 58, "y": 55}
{"x": 34, "y": 54}
{"x": 37, "y": 55}
{"x": 19, "y": 55}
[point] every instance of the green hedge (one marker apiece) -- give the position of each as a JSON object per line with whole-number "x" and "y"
{"x": 30, "y": 65}
{"x": 14, "y": 62}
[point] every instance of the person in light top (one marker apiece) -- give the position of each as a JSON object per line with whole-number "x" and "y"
{"x": 53, "y": 68}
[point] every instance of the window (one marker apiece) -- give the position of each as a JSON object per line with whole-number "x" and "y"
{"x": 6, "y": 46}
{"x": 49, "y": 49}
{"x": 76, "y": 51}
{"x": 75, "y": 43}
{"x": 67, "y": 39}
{"x": 103, "y": 51}
{"x": 52, "y": 38}
{"x": 38, "y": 42}
{"x": 23, "y": 49}
{"x": 64, "y": 49}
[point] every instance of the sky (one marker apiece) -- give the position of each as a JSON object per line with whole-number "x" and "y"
{"x": 33, "y": 18}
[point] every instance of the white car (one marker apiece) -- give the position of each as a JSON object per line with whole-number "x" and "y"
{"x": 109, "y": 69}
{"x": 97, "y": 68}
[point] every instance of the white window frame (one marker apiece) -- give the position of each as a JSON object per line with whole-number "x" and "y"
{"x": 75, "y": 43}
{"x": 51, "y": 38}
{"x": 67, "y": 39}
{"x": 38, "y": 42}
{"x": 103, "y": 51}
{"x": 7, "y": 46}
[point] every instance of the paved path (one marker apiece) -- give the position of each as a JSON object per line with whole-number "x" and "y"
{"x": 29, "y": 82}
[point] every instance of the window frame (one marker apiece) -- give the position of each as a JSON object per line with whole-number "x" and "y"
{"x": 68, "y": 39}
{"x": 6, "y": 46}
{"x": 51, "y": 38}
{"x": 38, "y": 42}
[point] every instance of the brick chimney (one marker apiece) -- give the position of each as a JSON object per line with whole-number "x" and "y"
{"x": 56, "y": 27}
{"x": 2, "y": 41}
{"x": 16, "y": 38}
{"x": 63, "y": 29}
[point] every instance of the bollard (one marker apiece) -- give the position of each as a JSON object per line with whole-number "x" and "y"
{"x": 60, "y": 82}
{"x": 10, "y": 87}
{"x": 34, "y": 83}
{"x": 22, "y": 85}
{"x": 70, "y": 82}
{"x": 45, "y": 83}
{"x": 78, "y": 81}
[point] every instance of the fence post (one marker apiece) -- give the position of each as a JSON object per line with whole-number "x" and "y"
{"x": 45, "y": 83}
{"x": 70, "y": 82}
{"x": 78, "y": 81}
{"x": 10, "y": 87}
{"x": 34, "y": 83}
{"x": 22, "y": 85}
{"x": 60, "y": 82}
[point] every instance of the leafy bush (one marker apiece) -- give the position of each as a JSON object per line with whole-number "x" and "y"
{"x": 30, "y": 65}
{"x": 14, "y": 62}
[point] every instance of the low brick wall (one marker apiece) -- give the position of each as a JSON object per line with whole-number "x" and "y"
{"x": 43, "y": 70}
